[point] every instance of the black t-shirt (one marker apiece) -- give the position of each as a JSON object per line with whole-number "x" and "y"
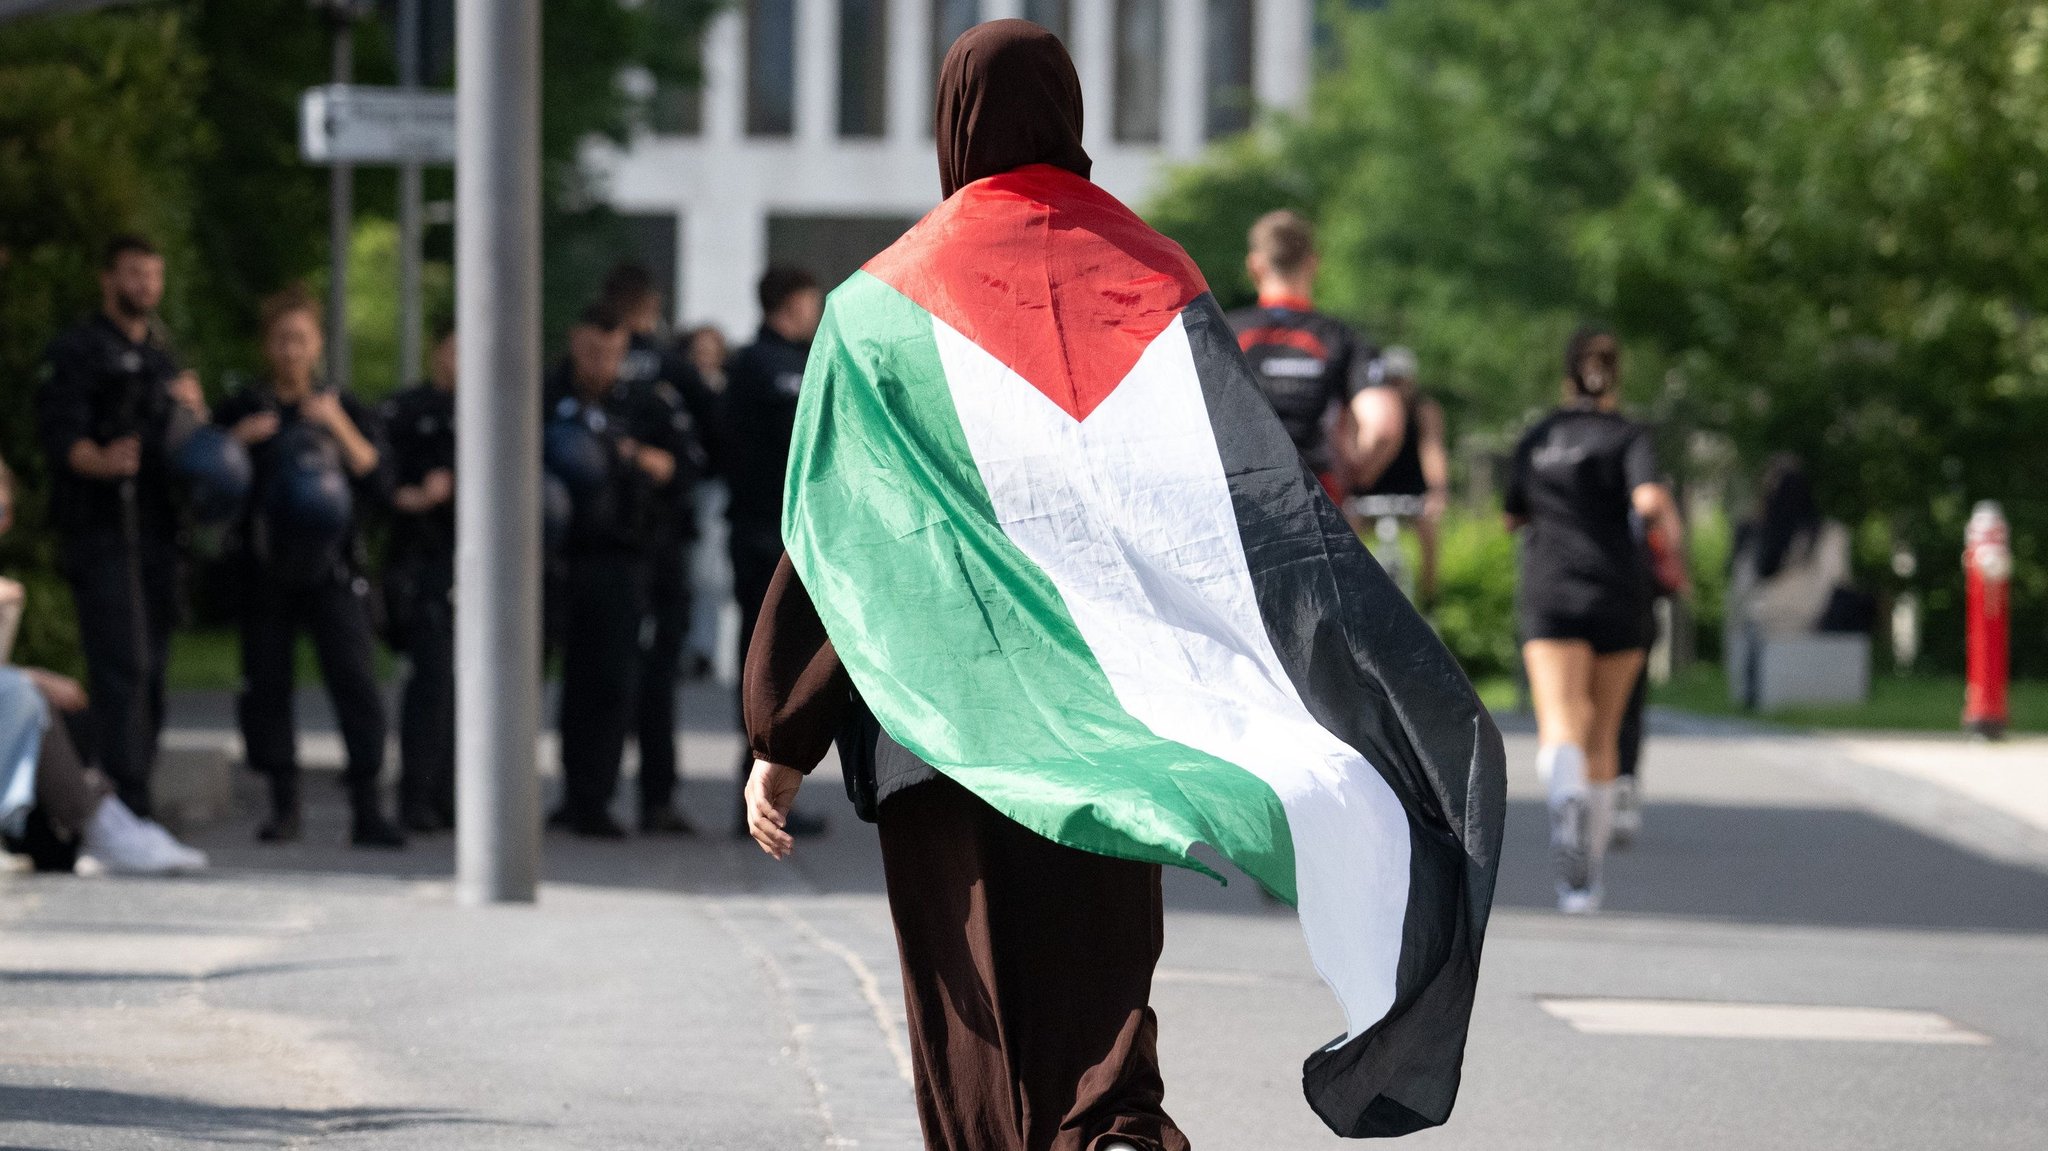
{"x": 1572, "y": 478}
{"x": 1404, "y": 475}
{"x": 99, "y": 385}
{"x": 1305, "y": 361}
{"x": 761, "y": 386}
{"x": 420, "y": 424}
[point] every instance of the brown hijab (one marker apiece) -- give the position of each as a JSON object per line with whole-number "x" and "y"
{"x": 1008, "y": 96}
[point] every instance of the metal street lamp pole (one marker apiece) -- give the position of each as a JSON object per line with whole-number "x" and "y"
{"x": 409, "y": 197}
{"x": 497, "y": 289}
{"x": 340, "y": 213}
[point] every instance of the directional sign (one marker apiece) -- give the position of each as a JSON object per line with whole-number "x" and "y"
{"x": 359, "y": 124}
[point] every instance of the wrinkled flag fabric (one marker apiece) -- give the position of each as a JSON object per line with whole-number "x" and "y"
{"x": 1071, "y": 560}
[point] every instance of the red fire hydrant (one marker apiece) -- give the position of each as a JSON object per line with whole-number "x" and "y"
{"x": 1987, "y": 573}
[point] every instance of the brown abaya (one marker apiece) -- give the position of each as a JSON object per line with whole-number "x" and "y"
{"x": 1027, "y": 965}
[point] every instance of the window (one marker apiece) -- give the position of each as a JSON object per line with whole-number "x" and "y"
{"x": 771, "y": 67}
{"x": 1054, "y": 16}
{"x": 1229, "y": 52}
{"x": 831, "y": 247}
{"x": 949, "y": 19}
{"x": 863, "y": 67}
{"x": 676, "y": 109}
{"x": 1140, "y": 45}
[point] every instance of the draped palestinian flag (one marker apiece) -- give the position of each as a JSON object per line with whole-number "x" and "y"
{"x": 1071, "y": 559}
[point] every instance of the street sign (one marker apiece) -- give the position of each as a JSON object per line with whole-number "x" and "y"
{"x": 360, "y": 124}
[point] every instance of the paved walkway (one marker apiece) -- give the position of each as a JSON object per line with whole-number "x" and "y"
{"x": 695, "y": 994}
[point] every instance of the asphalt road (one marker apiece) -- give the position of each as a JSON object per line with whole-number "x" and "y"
{"x": 694, "y": 994}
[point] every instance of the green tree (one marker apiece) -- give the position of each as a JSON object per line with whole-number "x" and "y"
{"x": 1811, "y": 220}
{"x": 99, "y": 128}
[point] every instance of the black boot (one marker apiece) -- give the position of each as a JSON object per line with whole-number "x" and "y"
{"x": 283, "y": 826}
{"x": 370, "y": 828}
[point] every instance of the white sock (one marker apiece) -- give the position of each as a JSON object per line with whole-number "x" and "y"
{"x": 1563, "y": 768}
{"x": 1599, "y": 828}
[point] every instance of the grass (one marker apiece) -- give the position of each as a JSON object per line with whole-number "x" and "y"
{"x": 1896, "y": 703}
{"x": 211, "y": 660}
{"x": 1932, "y": 703}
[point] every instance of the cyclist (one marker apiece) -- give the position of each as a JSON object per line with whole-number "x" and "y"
{"x": 1414, "y": 484}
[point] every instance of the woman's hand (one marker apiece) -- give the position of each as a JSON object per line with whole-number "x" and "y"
{"x": 62, "y": 692}
{"x": 435, "y": 488}
{"x": 255, "y": 428}
{"x": 771, "y": 789}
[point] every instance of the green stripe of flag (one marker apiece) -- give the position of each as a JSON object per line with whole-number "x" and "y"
{"x": 961, "y": 645}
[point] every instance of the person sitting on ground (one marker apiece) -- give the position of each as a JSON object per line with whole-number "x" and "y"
{"x": 52, "y": 806}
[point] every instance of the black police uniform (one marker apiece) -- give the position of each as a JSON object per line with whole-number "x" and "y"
{"x": 285, "y": 588}
{"x": 1572, "y": 477}
{"x": 1305, "y": 362}
{"x": 676, "y": 394}
{"x": 118, "y": 538}
{"x": 761, "y": 386}
{"x": 601, "y": 601}
{"x": 419, "y": 586}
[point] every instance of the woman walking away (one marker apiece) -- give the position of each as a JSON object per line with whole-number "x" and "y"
{"x": 1575, "y": 478}
{"x": 1096, "y": 609}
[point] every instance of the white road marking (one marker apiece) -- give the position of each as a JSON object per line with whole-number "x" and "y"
{"x": 1705, "y": 1020}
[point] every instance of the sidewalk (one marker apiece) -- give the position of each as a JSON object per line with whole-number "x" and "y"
{"x": 693, "y": 993}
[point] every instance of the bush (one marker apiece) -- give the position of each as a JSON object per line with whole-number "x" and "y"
{"x": 1475, "y": 608}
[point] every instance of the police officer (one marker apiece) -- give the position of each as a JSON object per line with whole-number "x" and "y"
{"x": 319, "y": 464}
{"x": 673, "y": 392}
{"x": 111, "y": 399}
{"x": 615, "y": 451}
{"x": 761, "y": 388}
{"x": 1308, "y": 362}
{"x": 419, "y": 586}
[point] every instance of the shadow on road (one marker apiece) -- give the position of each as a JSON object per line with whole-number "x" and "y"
{"x": 193, "y": 1119}
{"x": 1825, "y": 867}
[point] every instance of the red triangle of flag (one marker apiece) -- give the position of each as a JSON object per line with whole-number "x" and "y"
{"x": 1049, "y": 274}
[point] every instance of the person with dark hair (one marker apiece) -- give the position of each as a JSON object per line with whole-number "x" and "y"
{"x": 615, "y": 451}
{"x": 1419, "y": 473}
{"x": 1573, "y": 483}
{"x": 1062, "y": 590}
{"x": 762, "y": 383}
{"x": 1789, "y": 572}
{"x": 320, "y": 463}
{"x": 419, "y": 587}
{"x": 111, "y": 404}
{"x": 668, "y": 389}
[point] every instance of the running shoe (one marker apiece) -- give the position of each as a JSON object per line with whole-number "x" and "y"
{"x": 1578, "y": 900}
{"x": 121, "y": 842}
{"x": 1568, "y": 842}
{"x": 1628, "y": 812}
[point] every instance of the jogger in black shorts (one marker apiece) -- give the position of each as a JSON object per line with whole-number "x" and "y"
{"x": 1584, "y": 604}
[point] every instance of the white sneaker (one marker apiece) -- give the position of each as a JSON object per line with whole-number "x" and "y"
{"x": 1628, "y": 811}
{"x": 1578, "y": 900}
{"x": 117, "y": 841}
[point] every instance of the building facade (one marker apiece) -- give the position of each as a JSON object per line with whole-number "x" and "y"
{"x": 811, "y": 139}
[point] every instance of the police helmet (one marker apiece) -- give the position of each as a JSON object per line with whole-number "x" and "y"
{"x": 556, "y": 509}
{"x": 576, "y": 455}
{"x": 308, "y": 501}
{"x": 215, "y": 468}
